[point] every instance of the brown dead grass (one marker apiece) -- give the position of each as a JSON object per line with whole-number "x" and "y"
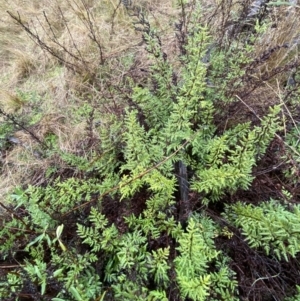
{"x": 10, "y": 102}
{"x": 279, "y": 40}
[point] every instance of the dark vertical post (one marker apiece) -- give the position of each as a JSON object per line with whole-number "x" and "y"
{"x": 185, "y": 208}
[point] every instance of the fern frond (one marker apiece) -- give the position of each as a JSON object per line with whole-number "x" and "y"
{"x": 269, "y": 226}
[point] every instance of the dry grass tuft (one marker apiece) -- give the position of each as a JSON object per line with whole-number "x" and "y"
{"x": 22, "y": 166}
{"x": 279, "y": 44}
{"x": 24, "y": 64}
{"x": 11, "y": 102}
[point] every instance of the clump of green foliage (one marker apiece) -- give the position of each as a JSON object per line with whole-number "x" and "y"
{"x": 269, "y": 225}
{"x": 69, "y": 244}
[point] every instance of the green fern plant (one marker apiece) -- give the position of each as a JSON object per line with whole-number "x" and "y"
{"x": 165, "y": 251}
{"x": 269, "y": 226}
{"x": 130, "y": 268}
{"x": 197, "y": 252}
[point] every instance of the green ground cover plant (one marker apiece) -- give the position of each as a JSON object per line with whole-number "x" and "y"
{"x": 166, "y": 168}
